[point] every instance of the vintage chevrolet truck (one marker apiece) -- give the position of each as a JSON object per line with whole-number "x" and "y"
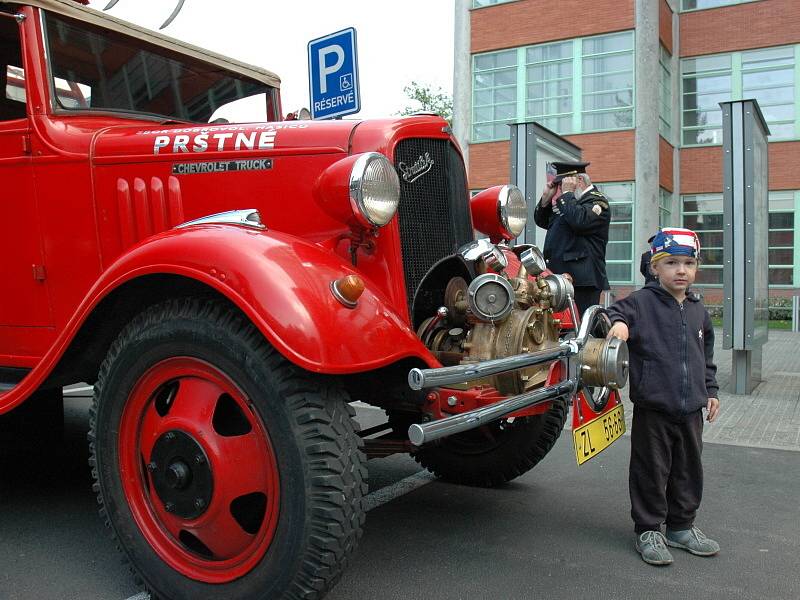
{"x": 230, "y": 288}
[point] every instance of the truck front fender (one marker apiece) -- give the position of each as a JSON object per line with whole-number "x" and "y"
{"x": 282, "y": 283}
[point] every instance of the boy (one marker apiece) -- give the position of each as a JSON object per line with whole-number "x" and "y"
{"x": 672, "y": 375}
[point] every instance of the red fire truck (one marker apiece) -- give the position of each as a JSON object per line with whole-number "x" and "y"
{"x": 230, "y": 288}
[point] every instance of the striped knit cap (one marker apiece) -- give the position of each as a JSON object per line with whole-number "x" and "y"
{"x": 674, "y": 241}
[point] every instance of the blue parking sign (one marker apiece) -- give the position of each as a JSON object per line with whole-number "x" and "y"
{"x": 333, "y": 75}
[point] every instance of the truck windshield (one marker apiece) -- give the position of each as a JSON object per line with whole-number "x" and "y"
{"x": 96, "y": 69}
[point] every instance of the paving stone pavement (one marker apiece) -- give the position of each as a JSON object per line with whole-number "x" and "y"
{"x": 770, "y": 416}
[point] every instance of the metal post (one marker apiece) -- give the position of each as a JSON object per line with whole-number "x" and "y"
{"x": 796, "y": 313}
{"x": 531, "y": 147}
{"x": 609, "y": 298}
{"x": 745, "y": 222}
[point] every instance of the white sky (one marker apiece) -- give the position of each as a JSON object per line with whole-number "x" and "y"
{"x": 397, "y": 41}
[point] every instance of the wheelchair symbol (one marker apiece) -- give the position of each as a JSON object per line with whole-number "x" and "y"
{"x": 346, "y": 82}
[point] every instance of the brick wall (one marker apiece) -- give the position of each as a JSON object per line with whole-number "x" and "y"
{"x": 784, "y": 173}
{"x": 665, "y": 177}
{"x": 527, "y": 22}
{"x": 739, "y": 27}
{"x": 665, "y": 25}
{"x": 701, "y": 168}
{"x": 611, "y": 155}
{"x": 489, "y": 164}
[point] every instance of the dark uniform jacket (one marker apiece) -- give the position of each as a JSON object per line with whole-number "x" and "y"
{"x": 644, "y": 267}
{"x": 577, "y": 236}
{"x": 671, "y": 350}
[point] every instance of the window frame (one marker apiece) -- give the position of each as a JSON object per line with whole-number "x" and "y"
{"x": 736, "y": 72}
{"x": 795, "y": 267}
{"x": 726, "y": 3}
{"x": 665, "y": 99}
{"x": 577, "y": 114}
{"x": 632, "y": 262}
{"x": 666, "y": 207}
{"x": 489, "y": 3}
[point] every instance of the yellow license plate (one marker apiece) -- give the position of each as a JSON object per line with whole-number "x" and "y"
{"x": 598, "y": 434}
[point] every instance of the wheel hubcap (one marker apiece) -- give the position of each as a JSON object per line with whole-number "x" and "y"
{"x": 198, "y": 470}
{"x": 185, "y": 487}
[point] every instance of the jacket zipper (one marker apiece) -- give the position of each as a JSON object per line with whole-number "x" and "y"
{"x": 684, "y": 352}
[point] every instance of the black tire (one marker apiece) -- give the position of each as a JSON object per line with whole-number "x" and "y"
{"x": 497, "y": 453}
{"x": 309, "y": 427}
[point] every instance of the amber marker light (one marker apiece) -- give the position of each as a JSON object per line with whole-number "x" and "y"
{"x": 348, "y": 290}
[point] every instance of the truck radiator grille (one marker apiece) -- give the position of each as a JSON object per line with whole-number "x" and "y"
{"x": 434, "y": 205}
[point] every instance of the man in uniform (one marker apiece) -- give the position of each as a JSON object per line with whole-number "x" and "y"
{"x": 644, "y": 265}
{"x": 576, "y": 216}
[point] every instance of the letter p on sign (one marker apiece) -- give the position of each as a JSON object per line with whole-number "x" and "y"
{"x": 324, "y": 70}
{"x": 333, "y": 75}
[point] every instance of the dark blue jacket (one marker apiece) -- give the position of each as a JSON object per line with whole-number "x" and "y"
{"x": 577, "y": 236}
{"x": 672, "y": 350}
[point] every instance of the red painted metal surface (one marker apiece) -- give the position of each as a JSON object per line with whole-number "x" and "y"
{"x": 234, "y": 551}
{"x": 485, "y": 216}
{"x": 582, "y": 413}
{"x": 106, "y": 197}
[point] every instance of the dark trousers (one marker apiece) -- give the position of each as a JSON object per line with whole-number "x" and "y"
{"x": 666, "y": 474}
{"x": 586, "y": 296}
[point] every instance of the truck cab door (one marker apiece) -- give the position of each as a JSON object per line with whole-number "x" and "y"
{"x": 25, "y": 316}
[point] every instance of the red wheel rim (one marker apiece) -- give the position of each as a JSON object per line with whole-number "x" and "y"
{"x": 192, "y": 399}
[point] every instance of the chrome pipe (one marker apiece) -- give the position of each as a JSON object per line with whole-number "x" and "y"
{"x": 422, "y": 433}
{"x": 573, "y": 312}
{"x": 426, "y": 378}
{"x": 588, "y": 321}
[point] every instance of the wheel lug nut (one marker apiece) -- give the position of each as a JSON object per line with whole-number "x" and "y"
{"x": 151, "y": 466}
{"x": 199, "y": 459}
{"x": 169, "y": 507}
{"x": 199, "y": 503}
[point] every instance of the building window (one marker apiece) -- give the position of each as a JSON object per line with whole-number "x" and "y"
{"x": 607, "y": 82}
{"x": 494, "y": 99}
{"x": 781, "y": 238}
{"x": 703, "y": 214}
{"x": 665, "y": 95}
{"x": 482, "y": 3}
{"x": 664, "y": 208}
{"x": 573, "y": 86}
{"x": 549, "y": 85}
{"x": 766, "y": 75}
{"x": 699, "y": 4}
{"x": 706, "y": 83}
{"x": 619, "y": 252}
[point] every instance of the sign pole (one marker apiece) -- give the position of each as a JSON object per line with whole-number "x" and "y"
{"x": 745, "y": 201}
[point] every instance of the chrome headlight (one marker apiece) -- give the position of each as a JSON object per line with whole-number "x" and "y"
{"x": 374, "y": 189}
{"x": 513, "y": 209}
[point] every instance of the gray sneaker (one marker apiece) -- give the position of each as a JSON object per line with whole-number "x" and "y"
{"x": 650, "y": 544}
{"x": 692, "y": 540}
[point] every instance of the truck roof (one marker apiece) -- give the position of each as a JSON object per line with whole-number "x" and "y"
{"x": 89, "y": 15}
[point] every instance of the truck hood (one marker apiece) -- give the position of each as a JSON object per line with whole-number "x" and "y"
{"x": 220, "y": 141}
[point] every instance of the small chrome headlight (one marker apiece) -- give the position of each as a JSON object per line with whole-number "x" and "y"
{"x": 513, "y": 209}
{"x": 374, "y": 189}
